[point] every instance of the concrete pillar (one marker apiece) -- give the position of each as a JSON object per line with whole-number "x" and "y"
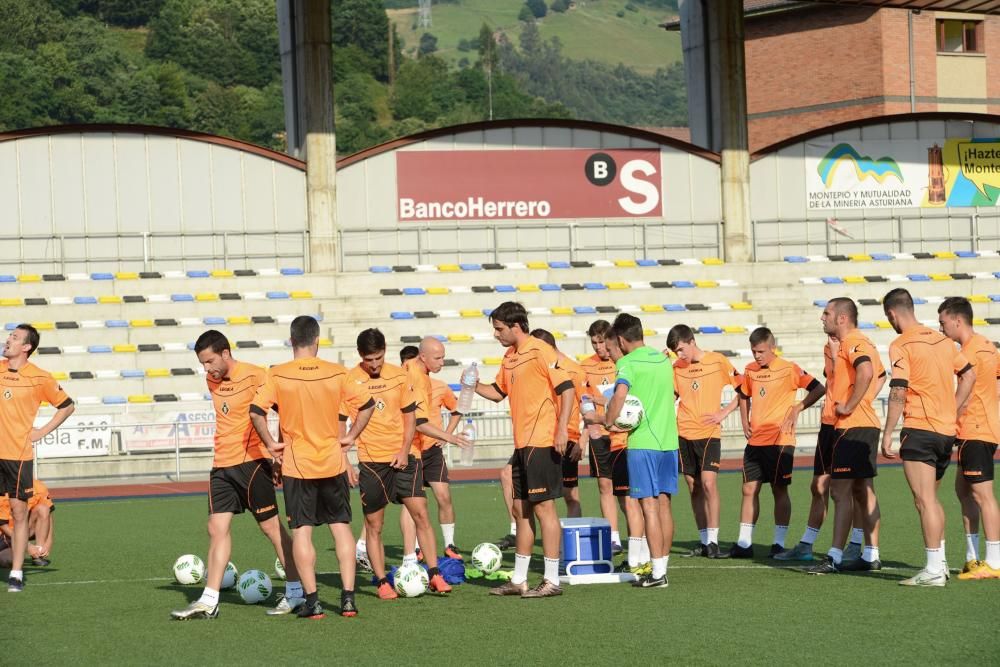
{"x": 307, "y": 73}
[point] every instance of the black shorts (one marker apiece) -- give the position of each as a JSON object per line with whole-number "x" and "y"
{"x": 245, "y": 486}
{"x": 600, "y": 457}
{"x": 771, "y": 464}
{"x": 698, "y": 456}
{"x": 975, "y": 460}
{"x": 435, "y": 468}
{"x": 570, "y": 469}
{"x": 619, "y": 472}
{"x": 382, "y": 484}
{"x": 823, "y": 458}
{"x": 315, "y": 502}
{"x": 17, "y": 478}
{"x": 537, "y": 474}
{"x": 854, "y": 453}
{"x": 928, "y": 447}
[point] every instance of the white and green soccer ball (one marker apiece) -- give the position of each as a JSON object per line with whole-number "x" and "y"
{"x": 411, "y": 580}
{"x": 189, "y": 569}
{"x": 279, "y": 569}
{"x": 631, "y": 414}
{"x": 230, "y": 575}
{"x": 487, "y": 557}
{"x": 254, "y": 586}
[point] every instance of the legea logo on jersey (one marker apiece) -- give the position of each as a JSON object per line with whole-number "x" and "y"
{"x": 529, "y": 184}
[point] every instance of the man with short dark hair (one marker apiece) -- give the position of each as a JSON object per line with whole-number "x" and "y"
{"x": 924, "y": 364}
{"x": 23, "y": 387}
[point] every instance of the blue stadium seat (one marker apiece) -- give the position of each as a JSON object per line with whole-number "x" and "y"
{"x": 99, "y": 349}
{"x": 820, "y": 303}
{"x": 414, "y": 291}
{"x": 867, "y": 325}
{"x": 102, "y": 276}
{"x": 380, "y": 269}
{"x": 440, "y": 337}
{"x": 994, "y": 297}
{"x": 133, "y": 373}
{"x": 966, "y": 253}
{"x": 116, "y": 324}
{"x": 919, "y": 301}
{"x": 10, "y": 326}
{"x": 832, "y": 280}
{"x": 683, "y": 284}
{"x": 198, "y": 273}
{"x": 470, "y": 266}
{"x": 505, "y": 288}
{"x": 191, "y": 346}
{"x": 796, "y": 259}
{"x": 549, "y": 287}
{"x": 918, "y": 277}
{"x": 114, "y": 400}
{"x": 177, "y": 298}
{"x": 595, "y": 286}
{"x": 647, "y": 262}
{"x": 82, "y": 300}
{"x": 401, "y": 315}
{"x": 710, "y": 329}
{"x": 674, "y": 307}
{"x": 881, "y": 257}
{"x": 214, "y": 321}
{"x": 487, "y": 311}
{"x": 8, "y": 279}
{"x": 996, "y": 274}
{"x": 560, "y": 265}
{"x": 277, "y": 294}
{"x": 292, "y": 271}
{"x": 455, "y": 387}
{"x": 584, "y": 310}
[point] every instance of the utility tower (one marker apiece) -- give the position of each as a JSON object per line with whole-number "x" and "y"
{"x": 424, "y": 14}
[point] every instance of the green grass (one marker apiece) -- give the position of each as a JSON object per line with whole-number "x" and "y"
{"x": 591, "y": 31}
{"x": 107, "y": 596}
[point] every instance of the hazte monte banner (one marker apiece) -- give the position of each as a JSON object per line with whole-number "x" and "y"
{"x": 528, "y": 184}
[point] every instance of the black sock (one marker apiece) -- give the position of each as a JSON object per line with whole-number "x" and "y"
{"x": 431, "y": 571}
{"x": 312, "y": 598}
{"x": 344, "y": 594}
{"x": 383, "y": 580}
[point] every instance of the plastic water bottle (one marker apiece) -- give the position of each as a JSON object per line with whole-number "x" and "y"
{"x": 470, "y": 378}
{"x": 468, "y": 454}
{"x": 587, "y": 404}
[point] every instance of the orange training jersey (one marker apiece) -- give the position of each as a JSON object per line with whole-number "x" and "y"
{"x": 393, "y": 395}
{"x": 771, "y": 390}
{"x": 579, "y": 379}
{"x": 925, "y": 362}
{"x": 699, "y": 386}
{"x": 21, "y": 393}
{"x": 441, "y": 397}
{"x": 308, "y": 391}
{"x": 827, "y": 416}
{"x": 39, "y": 496}
{"x": 531, "y": 380}
{"x": 600, "y": 374}
{"x": 420, "y": 382}
{"x": 981, "y": 419}
{"x": 236, "y": 440}
{"x": 854, "y": 350}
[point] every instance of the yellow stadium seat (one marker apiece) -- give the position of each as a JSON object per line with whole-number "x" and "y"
{"x": 537, "y": 265}
{"x": 558, "y": 335}
{"x": 883, "y": 324}
{"x": 44, "y": 326}
{"x": 29, "y": 278}
{"x": 109, "y": 298}
{"x": 136, "y": 324}
{"x": 526, "y": 287}
{"x": 449, "y": 268}
{"x": 471, "y": 312}
{"x": 940, "y": 276}
{"x": 126, "y": 275}
{"x": 492, "y": 361}
{"x": 854, "y": 279}
{"x": 222, "y": 273}
{"x": 438, "y": 290}
{"x": 583, "y": 357}
{"x": 140, "y": 398}
{"x": 712, "y": 261}
{"x": 125, "y": 347}
{"x": 206, "y": 296}
{"x": 237, "y": 320}
{"x": 59, "y": 376}
{"x": 562, "y": 310}
{"x": 157, "y": 372}
{"x": 325, "y": 342}
{"x": 459, "y": 338}
{"x": 860, "y": 257}
{"x": 979, "y": 322}
{"x": 11, "y": 302}
{"x": 734, "y": 329}
{"x": 649, "y": 333}
{"x": 617, "y": 285}
{"x": 300, "y": 294}
{"x": 651, "y": 308}
{"x": 945, "y": 254}
{"x": 979, "y": 298}
{"x": 625, "y": 263}
{"x": 705, "y": 283}
{"x": 740, "y": 305}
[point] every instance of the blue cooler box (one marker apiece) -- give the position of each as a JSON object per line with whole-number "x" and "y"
{"x": 586, "y": 547}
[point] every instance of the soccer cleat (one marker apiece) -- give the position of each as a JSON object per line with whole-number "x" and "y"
{"x": 712, "y": 550}
{"x": 451, "y": 551}
{"x": 825, "y": 566}
{"x": 775, "y": 550}
{"x": 386, "y": 592}
{"x": 860, "y": 565}
{"x": 853, "y": 551}
{"x": 801, "y": 552}
{"x": 971, "y": 565}
{"x": 196, "y": 609}
{"x": 510, "y": 588}
{"x": 361, "y": 559}
{"x": 947, "y": 570}
{"x": 925, "y": 578}
{"x": 616, "y": 548}
{"x": 546, "y": 589}
{"x": 347, "y": 607}
{"x": 311, "y": 611}
{"x": 15, "y": 585}
{"x": 507, "y": 542}
{"x": 420, "y": 555}
{"x": 40, "y": 562}
{"x": 649, "y": 582}
{"x": 981, "y": 571}
{"x": 699, "y": 550}
{"x": 285, "y": 606}
{"x": 437, "y": 584}
{"x": 736, "y": 551}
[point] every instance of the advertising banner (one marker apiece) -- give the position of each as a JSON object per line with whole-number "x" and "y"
{"x": 79, "y": 435}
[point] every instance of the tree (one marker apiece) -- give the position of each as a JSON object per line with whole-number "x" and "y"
{"x": 365, "y": 24}
{"x": 559, "y": 6}
{"x": 537, "y": 7}
{"x": 428, "y": 44}
{"x": 525, "y": 15}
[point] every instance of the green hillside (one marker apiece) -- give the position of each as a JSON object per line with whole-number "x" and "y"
{"x": 590, "y": 29}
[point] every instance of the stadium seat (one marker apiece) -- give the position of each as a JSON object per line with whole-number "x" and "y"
{"x": 646, "y": 262}
{"x": 133, "y": 373}
{"x": 116, "y": 324}
{"x": 674, "y": 307}
{"x": 380, "y": 269}
{"x": 182, "y": 298}
{"x": 881, "y": 257}
{"x": 832, "y": 280}
{"x": 796, "y": 259}
{"x": 401, "y": 315}
{"x": 527, "y": 287}
{"x": 549, "y": 287}
{"x": 710, "y": 330}
{"x": 712, "y": 261}
{"x": 683, "y": 284}
{"x": 584, "y": 310}
{"x": 277, "y": 294}
{"x": 113, "y": 400}
{"x": 124, "y": 348}
{"x": 198, "y": 274}
{"x": 918, "y": 277}
{"x": 966, "y": 254}
{"x": 213, "y": 321}
{"x": 109, "y": 299}
{"x": 594, "y": 286}
{"x": 559, "y": 265}
{"x": 470, "y": 266}
{"x": 860, "y": 257}
{"x": 505, "y": 289}
{"x": 292, "y": 271}
{"x": 5, "y": 278}
{"x": 102, "y": 276}
{"x": 206, "y": 296}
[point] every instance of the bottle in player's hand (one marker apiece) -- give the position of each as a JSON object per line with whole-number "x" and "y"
{"x": 468, "y": 453}
{"x": 470, "y": 378}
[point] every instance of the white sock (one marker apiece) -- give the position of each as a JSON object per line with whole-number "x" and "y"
{"x": 520, "y": 569}
{"x": 361, "y": 548}
{"x": 779, "y": 535}
{"x": 644, "y": 552}
{"x": 416, "y": 542}
{"x": 944, "y": 557}
{"x": 293, "y": 589}
{"x": 972, "y": 546}
{"x": 870, "y": 554}
{"x": 19, "y": 575}
{"x": 935, "y": 561}
{"x": 410, "y": 558}
{"x": 616, "y": 537}
{"x": 448, "y": 532}
{"x": 659, "y": 567}
{"x": 836, "y": 554}
{"x": 857, "y": 535}
{"x": 209, "y": 597}
{"x": 713, "y": 535}
{"x": 993, "y": 554}
{"x": 634, "y": 551}
{"x": 551, "y": 570}
{"x": 746, "y": 535}
{"x": 703, "y": 534}
{"x": 513, "y": 528}
{"x": 809, "y": 537}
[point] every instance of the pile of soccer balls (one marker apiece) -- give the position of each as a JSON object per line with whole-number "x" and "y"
{"x": 253, "y": 585}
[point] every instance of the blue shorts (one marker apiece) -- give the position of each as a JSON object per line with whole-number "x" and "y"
{"x": 651, "y": 472}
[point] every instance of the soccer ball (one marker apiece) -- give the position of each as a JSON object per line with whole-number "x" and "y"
{"x": 630, "y": 415}
{"x": 254, "y": 586}
{"x": 487, "y": 557}
{"x": 279, "y": 569}
{"x": 411, "y": 580}
{"x": 230, "y": 575}
{"x": 189, "y": 569}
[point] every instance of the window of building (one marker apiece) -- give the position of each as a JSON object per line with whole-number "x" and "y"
{"x": 957, "y": 36}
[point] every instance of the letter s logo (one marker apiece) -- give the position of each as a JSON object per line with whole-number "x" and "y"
{"x": 649, "y": 191}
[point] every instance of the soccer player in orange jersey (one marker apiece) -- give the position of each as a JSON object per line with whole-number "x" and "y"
{"x": 699, "y": 379}
{"x": 769, "y": 412}
{"x": 856, "y": 377}
{"x": 923, "y": 364}
{"x": 242, "y": 476}
{"x": 390, "y": 471}
{"x": 23, "y": 387}
{"x": 541, "y": 399}
{"x": 40, "y": 526}
{"x": 978, "y": 435}
{"x": 313, "y": 454}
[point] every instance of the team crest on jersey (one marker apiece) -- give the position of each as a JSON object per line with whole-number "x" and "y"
{"x": 225, "y": 408}
{"x": 695, "y": 385}
{"x": 762, "y": 392}
{"x": 7, "y": 395}
{"x": 380, "y": 404}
